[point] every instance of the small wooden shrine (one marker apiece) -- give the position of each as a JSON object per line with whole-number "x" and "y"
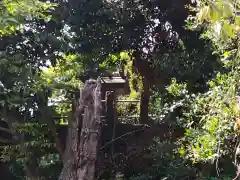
{"x": 114, "y": 83}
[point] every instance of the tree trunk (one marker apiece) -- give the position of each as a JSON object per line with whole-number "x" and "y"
{"x": 84, "y": 135}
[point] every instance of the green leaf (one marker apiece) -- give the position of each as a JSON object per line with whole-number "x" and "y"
{"x": 228, "y": 29}
{"x": 204, "y": 13}
{"x": 215, "y": 12}
{"x": 227, "y": 10}
{"x": 211, "y": 84}
{"x": 237, "y": 20}
{"x": 227, "y": 53}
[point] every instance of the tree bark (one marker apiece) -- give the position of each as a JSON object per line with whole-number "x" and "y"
{"x": 84, "y": 135}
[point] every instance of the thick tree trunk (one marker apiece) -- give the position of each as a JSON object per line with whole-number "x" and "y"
{"x": 84, "y": 135}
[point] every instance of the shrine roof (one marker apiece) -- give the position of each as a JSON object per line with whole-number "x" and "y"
{"x": 113, "y": 80}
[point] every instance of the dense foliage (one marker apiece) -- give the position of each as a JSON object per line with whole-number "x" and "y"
{"x": 182, "y": 56}
{"x": 213, "y": 115}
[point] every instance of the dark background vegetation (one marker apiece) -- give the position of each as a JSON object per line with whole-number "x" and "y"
{"x": 176, "y": 72}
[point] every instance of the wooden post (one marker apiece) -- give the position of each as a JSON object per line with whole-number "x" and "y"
{"x": 83, "y": 138}
{"x": 144, "y": 103}
{"x": 110, "y": 118}
{"x": 109, "y": 131}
